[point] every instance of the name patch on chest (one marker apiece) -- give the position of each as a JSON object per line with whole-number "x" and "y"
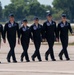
{"x": 48, "y": 24}
{"x": 25, "y": 29}
{"x": 62, "y": 25}
{"x": 9, "y": 25}
{"x": 35, "y": 28}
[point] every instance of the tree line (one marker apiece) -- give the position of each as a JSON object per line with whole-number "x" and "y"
{"x": 30, "y": 8}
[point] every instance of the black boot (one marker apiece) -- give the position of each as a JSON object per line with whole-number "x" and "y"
{"x": 21, "y": 59}
{"x": 8, "y": 60}
{"x": 68, "y": 59}
{"x": 27, "y": 60}
{"x": 33, "y": 58}
{"x": 40, "y": 60}
{"x": 46, "y": 57}
{"x": 53, "y": 59}
{"x": 14, "y": 61}
{"x": 60, "y": 57}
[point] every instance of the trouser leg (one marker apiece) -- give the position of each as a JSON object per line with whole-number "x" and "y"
{"x": 37, "y": 52}
{"x": 50, "y": 44}
{"x": 64, "y": 50}
{"x": 25, "y": 51}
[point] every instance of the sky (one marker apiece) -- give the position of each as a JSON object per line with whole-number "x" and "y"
{"x": 46, "y": 2}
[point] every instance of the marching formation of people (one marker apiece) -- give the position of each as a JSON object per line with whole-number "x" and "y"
{"x": 49, "y": 31}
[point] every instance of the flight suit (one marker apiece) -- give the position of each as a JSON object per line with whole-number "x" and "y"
{"x": 36, "y": 32}
{"x": 11, "y": 30}
{"x": 62, "y": 32}
{"x": 49, "y": 32}
{"x": 25, "y": 34}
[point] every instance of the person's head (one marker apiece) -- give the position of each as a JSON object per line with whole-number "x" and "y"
{"x": 11, "y": 18}
{"x": 49, "y": 17}
{"x": 36, "y": 20}
{"x": 25, "y": 22}
{"x": 64, "y": 19}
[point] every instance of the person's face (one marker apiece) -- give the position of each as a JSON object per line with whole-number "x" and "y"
{"x": 25, "y": 23}
{"x": 36, "y": 21}
{"x": 11, "y": 19}
{"x": 49, "y": 18}
{"x": 64, "y": 19}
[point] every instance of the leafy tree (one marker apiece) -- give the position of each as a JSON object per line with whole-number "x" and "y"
{"x": 26, "y": 8}
{"x": 9, "y": 9}
{"x": 67, "y": 6}
{"x": 1, "y": 12}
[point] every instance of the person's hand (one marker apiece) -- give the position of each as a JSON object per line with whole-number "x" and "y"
{"x": 4, "y": 41}
{"x": 73, "y": 34}
{"x": 57, "y": 39}
{"x": 19, "y": 41}
{"x": 43, "y": 40}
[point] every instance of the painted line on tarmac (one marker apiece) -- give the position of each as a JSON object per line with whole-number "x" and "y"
{"x": 37, "y": 71}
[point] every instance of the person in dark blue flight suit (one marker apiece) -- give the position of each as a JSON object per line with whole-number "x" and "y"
{"x": 62, "y": 32}
{"x": 11, "y": 28}
{"x": 49, "y": 33}
{"x": 36, "y": 31}
{"x": 25, "y": 34}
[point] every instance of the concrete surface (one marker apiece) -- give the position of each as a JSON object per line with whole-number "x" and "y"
{"x": 36, "y": 68}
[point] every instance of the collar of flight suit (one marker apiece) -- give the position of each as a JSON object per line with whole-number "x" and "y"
{"x": 50, "y": 22}
{"x": 66, "y": 23}
{"x": 36, "y": 25}
{"x": 11, "y": 23}
{"x": 25, "y": 26}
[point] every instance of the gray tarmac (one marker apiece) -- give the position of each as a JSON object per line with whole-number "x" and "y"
{"x": 36, "y": 68}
